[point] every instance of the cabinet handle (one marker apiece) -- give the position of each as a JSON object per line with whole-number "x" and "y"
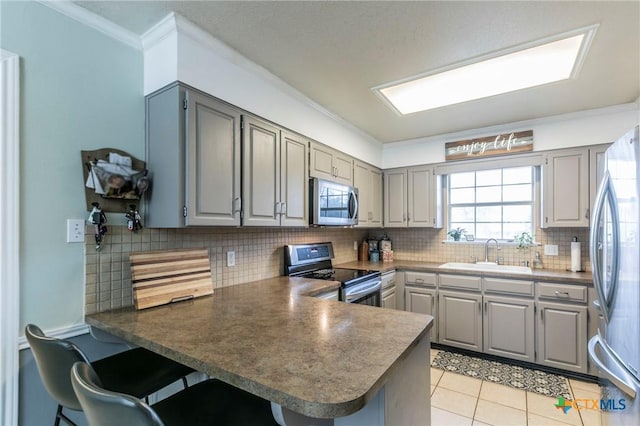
{"x": 278, "y": 208}
{"x": 237, "y": 205}
{"x": 479, "y": 307}
{"x": 485, "y": 308}
{"x": 283, "y": 208}
{"x": 419, "y": 280}
{"x": 586, "y": 213}
{"x": 565, "y": 293}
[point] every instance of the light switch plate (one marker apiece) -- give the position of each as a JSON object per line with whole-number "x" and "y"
{"x": 231, "y": 258}
{"x": 550, "y": 249}
{"x": 75, "y": 230}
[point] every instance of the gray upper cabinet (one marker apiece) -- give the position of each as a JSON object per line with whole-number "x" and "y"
{"x": 193, "y": 156}
{"x": 274, "y": 184}
{"x": 565, "y": 200}
{"x": 412, "y": 197}
{"x": 330, "y": 164}
{"x": 368, "y": 180}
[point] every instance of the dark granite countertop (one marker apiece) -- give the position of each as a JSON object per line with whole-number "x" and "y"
{"x": 553, "y": 275}
{"x": 318, "y": 357}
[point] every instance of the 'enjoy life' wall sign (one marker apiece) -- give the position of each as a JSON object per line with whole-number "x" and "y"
{"x": 504, "y": 144}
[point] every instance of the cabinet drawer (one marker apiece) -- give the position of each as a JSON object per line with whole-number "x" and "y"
{"x": 388, "y": 279}
{"x": 460, "y": 281}
{"x": 508, "y": 286}
{"x": 420, "y": 278}
{"x": 574, "y": 293}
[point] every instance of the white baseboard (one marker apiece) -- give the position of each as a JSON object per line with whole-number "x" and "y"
{"x": 59, "y": 333}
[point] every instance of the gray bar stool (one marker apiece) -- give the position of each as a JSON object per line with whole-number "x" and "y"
{"x": 138, "y": 372}
{"x": 211, "y": 402}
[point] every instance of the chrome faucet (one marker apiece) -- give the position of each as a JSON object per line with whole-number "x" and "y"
{"x": 486, "y": 249}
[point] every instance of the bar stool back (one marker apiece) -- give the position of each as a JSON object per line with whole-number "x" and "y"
{"x": 138, "y": 372}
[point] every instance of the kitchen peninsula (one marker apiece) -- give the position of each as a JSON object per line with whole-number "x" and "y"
{"x": 320, "y": 358}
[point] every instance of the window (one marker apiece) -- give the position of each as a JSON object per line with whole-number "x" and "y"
{"x": 492, "y": 203}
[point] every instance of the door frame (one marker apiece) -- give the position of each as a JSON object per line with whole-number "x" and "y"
{"x": 10, "y": 231}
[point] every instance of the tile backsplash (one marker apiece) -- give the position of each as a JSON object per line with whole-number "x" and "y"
{"x": 259, "y": 252}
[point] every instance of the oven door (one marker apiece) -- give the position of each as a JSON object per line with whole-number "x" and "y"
{"x": 366, "y": 293}
{"x": 333, "y": 203}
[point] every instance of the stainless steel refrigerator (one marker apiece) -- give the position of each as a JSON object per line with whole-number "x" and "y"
{"x": 615, "y": 262}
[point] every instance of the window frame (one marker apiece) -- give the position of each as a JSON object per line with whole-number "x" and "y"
{"x": 535, "y": 200}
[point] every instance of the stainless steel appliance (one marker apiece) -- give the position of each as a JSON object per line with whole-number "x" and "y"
{"x": 332, "y": 204}
{"x": 615, "y": 259}
{"x": 314, "y": 261}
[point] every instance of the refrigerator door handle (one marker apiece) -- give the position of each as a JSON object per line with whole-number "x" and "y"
{"x": 621, "y": 380}
{"x": 605, "y": 196}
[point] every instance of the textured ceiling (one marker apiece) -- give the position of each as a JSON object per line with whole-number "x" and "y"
{"x": 334, "y": 52}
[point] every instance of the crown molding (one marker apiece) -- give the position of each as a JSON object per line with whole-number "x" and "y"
{"x": 161, "y": 30}
{"x": 515, "y": 126}
{"x": 197, "y": 34}
{"x": 97, "y": 22}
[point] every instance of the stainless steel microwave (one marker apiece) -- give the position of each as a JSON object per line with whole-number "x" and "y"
{"x": 332, "y": 204}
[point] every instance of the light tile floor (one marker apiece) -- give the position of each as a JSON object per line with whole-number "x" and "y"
{"x": 458, "y": 400}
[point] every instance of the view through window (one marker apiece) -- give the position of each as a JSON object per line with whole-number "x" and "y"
{"x": 492, "y": 203}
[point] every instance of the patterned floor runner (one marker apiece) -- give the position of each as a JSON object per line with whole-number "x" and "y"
{"x": 517, "y": 377}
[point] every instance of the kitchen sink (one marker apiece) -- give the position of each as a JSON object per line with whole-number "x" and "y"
{"x": 487, "y": 266}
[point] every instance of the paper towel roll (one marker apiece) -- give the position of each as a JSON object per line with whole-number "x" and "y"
{"x": 576, "y": 262}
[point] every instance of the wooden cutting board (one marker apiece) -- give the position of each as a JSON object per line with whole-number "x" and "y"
{"x": 165, "y": 276}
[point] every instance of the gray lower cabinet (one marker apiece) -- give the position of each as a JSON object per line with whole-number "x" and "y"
{"x": 274, "y": 185}
{"x": 509, "y": 327}
{"x": 460, "y": 319}
{"x": 193, "y": 157}
{"x": 562, "y": 336}
{"x": 389, "y": 298}
{"x": 423, "y": 301}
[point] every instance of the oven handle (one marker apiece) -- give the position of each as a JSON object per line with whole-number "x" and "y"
{"x": 368, "y": 288}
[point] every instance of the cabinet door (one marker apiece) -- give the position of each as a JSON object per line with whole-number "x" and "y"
{"x": 362, "y": 181}
{"x": 343, "y": 168}
{"x": 562, "y": 336}
{"x": 460, "y": 319}
{"x": 321, "y": 162}
{"x": 376, "y": 197}
{"x": 261, "y": 173}
{"x": 566, "y": 188}
{"x": 212, "y": 162}
{"x": 419, "y": 197}
{"x": 422, "y": 301}
{"x": 395, "y": 197}
{"x": 368, "y": 180}
{"x": 294, "y": 188}
{"x": 508, "y": 327}
{"x": 389, "y": 298}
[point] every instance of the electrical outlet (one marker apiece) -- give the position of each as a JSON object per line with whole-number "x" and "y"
{"x": 75, "y": 231}
{"x": 550, "y": 249}
{"x": 231, "y": 258}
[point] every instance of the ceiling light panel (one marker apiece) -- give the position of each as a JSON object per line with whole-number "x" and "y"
{"x": 527, "y": 66}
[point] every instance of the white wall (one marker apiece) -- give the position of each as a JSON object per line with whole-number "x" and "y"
{"x": 80, "y": 90}
{"x": 575, "y": 129}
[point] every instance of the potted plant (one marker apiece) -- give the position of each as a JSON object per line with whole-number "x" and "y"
{"x": 523, "y": 240}
{"x": 456, "y": 233}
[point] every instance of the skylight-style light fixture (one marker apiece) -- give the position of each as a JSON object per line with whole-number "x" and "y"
{"x": 540, "y": 62}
